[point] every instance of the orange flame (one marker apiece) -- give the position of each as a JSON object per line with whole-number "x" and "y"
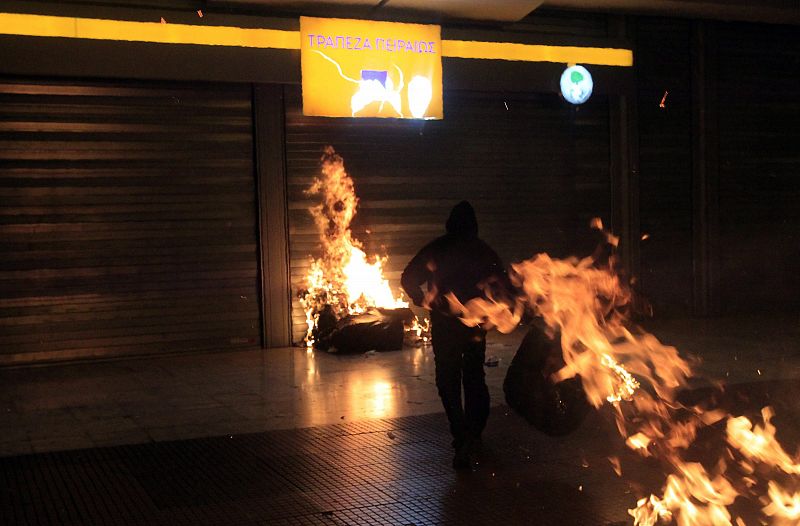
{"x": 344, "y": 277}
{"x": 691, "y": 497}
{"x": 421, "y": 329}
{"x": 784, "y": 507}
{"x": 759, "y": 442}
{"x": 587, "y": 305}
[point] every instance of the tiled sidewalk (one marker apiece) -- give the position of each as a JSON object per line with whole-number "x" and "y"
{"x": 98, "y": 404}
{"x": 153, "y": 399}
{"x": 380, "y": 472}
{"x": 285, "y": 437}
{"x": 374, "y": 472}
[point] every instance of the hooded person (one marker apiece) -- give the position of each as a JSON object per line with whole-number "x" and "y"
{"x": 462, "y": 264}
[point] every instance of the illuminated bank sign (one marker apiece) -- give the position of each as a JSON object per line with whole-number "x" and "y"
{"x": 359, "y": 68}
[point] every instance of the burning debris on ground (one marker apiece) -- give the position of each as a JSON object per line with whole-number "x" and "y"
{"x": 554, "y": 408}
{"x": 584, "y": 351}
{"x": 348, "y": 303}
{"x": 587, "y": 337}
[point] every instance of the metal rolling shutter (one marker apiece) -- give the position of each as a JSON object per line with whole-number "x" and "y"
{"x": 759, "y": 167}
{"x": 665, "y": 162}
{"x": 536, "y": 173}
{"x": 127, "y": 220}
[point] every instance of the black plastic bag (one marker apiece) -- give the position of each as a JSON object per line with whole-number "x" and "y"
{"x": 324, "y": 328}
{"x": 553, "y": 408}
{"x": 375, "y": 330}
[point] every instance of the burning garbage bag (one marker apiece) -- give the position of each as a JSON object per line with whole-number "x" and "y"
{"x": 324, "y": 328}
{"x": 376, "y": 329}
{"x": 553, "y": 408}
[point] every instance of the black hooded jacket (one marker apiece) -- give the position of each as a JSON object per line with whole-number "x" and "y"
{"x": 457, "y": 262}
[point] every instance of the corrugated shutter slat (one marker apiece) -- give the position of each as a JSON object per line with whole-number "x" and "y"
{"x": 127, "y": 220}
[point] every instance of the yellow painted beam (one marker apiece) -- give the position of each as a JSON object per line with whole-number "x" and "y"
{"x": 99, "y": 29}
{"x": 537, "y": 53}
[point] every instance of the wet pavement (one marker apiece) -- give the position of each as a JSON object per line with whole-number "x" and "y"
{"x": 376, "y": 472}
{"x": 171, "y": 398}
{"x": 287, "y": 437}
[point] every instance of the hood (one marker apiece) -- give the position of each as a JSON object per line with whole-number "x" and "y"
{"x": 462, "y": 221}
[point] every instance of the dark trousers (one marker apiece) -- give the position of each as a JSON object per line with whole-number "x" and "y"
{"x": 459, "y": 352}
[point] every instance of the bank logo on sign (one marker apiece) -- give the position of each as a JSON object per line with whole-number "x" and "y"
{"x": 374, "y": 86}
{"x": 378, "y": 86}
{"x": 576, "y": 84}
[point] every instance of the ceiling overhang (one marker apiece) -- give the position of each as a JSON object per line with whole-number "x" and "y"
{"x": 507, "y": 11}
{"x": 494, "y": 10}
{"x": 770, "y": 11}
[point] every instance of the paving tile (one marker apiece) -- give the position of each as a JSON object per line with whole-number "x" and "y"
{"x": 353, "y": 473}
{"x": 120, "y": 439}
{"x": 66, "y": 442}
{"x": 16, "y": 447}
{"x": 251, "y": 438}
{"x": 264, "y": 410}
{"x": 13, "y": 429}
{"x": 350, "y": 473}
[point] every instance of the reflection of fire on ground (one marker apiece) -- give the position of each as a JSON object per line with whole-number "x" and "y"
{"x": 622, "y": 365}
{"x": 344, "y": 280}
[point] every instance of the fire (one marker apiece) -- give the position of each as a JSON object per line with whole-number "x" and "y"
{"x": 759, "y": 443}
{"x": 421, "y": 330}
{"x": 638, "y": 441}
{"x": 784, "y": 506}
{"x": 588, "y": 305}
{"x": 691, "y": 498}
{"x": 344, "y": 277}
{"x": 364, "y": 281}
